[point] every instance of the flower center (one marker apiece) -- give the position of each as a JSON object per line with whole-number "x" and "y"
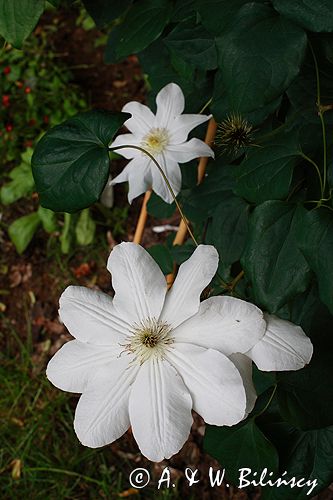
{"x": 156, "y": 140}
{"x": 150, "y": 339}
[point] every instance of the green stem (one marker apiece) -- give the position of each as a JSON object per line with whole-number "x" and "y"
{"x": 269, "y": 402}
{"x": 166, "y": 181}
{"x": 205, "y": 106}
{"x": 314, "y": 164}
{"x": 63, "y": 471}
{"x": 320, "y": 113}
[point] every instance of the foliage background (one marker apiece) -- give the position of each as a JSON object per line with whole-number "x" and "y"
{"x": 266, "y": 206}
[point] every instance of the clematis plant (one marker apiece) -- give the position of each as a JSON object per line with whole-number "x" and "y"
{"x": 147, "y": 357}
{"x": 164, "y": 136}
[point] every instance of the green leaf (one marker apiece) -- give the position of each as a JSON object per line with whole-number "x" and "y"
{"x": 180, "y": 253}
{"x": 240, "y": 446}
{"x": 202, "y": 200}
{"x": 104, "y": 11}
{"x": 272, "y": 260}
{"x": 193, "y": 43}
{"x": 48, "y": 219}
{"x": 217, "y": 15}
{"x": 22, "y": 230}
{"x": 85, "y": 228}
{"x": 228, "y": 230}
{"x": 142, "y": 25}
{"x": 22, "y": 182}
{"x": 70, "y": 164}
{"x": 161, "y": 254}
{"x": 259, "y": 56}
{"x": 315, "y": 240}
{"x": 302, "y": 454}
{"x": 159, "y": 208}
{"x": 313, "y": 16}
{"x": 267, "y": 172}
{"x": 18, "y": 19}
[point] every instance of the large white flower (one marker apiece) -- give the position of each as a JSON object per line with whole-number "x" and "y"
{"x": 164, "y": 136}
{"x": 147, "y": 357}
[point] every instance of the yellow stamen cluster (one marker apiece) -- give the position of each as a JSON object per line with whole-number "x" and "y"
{"x": 156, "y": 140}
{"x": 149, "y": 339}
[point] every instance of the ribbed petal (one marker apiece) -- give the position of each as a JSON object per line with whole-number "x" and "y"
{"x": 76, "y": 362}
{"x": 101, "y": 415}
{"x": 123, "y": 140}
{"x": 138, "y": 174}
{"x": 138, "y": 282}
{"x": 172, "y": 171}
{"x": 183, "y": 300}
{"x": 142, "y": 119}
{"x": 160, "y": 410}
{"x": 91, "y": 317}
{"x": 183, "y": 125}
{"x": 214, "y": 383}
{"x": 224, "y": 323}
{"x": 195, "y": 148}
{"x": 244, "y": 366}
{"x": 283, "y": 347}
{"x": 170, "y": 103}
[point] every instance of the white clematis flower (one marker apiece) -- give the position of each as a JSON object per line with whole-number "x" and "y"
{"x": 164, "y": 136}
{"x": 147, "y": 357}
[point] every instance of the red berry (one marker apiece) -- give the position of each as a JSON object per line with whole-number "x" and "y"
{"x": 9, "y": 127}
{"x": 32, "y": 122}
{"x": 46, "y": 119}
{"x": 27, "y": 90}
{"x": 6, "y": 70}
{"x": 6, "y": 100}
{"x": 19, "y": 84}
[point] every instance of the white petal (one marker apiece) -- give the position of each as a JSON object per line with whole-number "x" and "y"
{"x": 138, "y": 174}
{"x": 138, "y": 282}
{"x": 170, "y": 103}
{"x": 123, "y": 140}
{"x": 195, "y": 148}
{"x": 172, "y": 171}
{"x": 90, "y": 316}
{"x": 224, "y": 323}
{"x": 214, "y": 383}
{"x": 142, "y": 119}
{"x": 283, "y": 347}
{"x": 244, "y": 366}
{"x": 160, "y": 410}
{"x": 183, "y": 125}
{"x": 183, "y": 300}
{"x": 101, "y": 415}
{"x": 76, "y": 362}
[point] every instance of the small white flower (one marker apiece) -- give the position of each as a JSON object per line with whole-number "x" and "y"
{"x": 164, "y": 135}
{"x": 147, "y": 357}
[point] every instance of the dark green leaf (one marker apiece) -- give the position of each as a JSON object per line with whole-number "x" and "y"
{"x": 259, "y": 55}
{"x": 202, "y": 200}
{"x": 228, "y": 230}
{"x": 162, "y": 256}
{"x": 272, "y": 260}
{"x": 22, "y": 230}
{"x": 302, "y": 454}
{"x": 313, "y": 16}
{"x": 71, "y": 162}
{"x": 18, "y": 19}
{"x": 142, "y": 25}
{"x": 180, "y": 253}
{"x": 104, "y": 11}
{"x": 159, "y": 208}
{"x": 315, "y": 240}
{"x": 240, "y": 446}
{"x": 217, "y": 15}
{"x": 267, "y": 172}
{"x": 193, "y": 43}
